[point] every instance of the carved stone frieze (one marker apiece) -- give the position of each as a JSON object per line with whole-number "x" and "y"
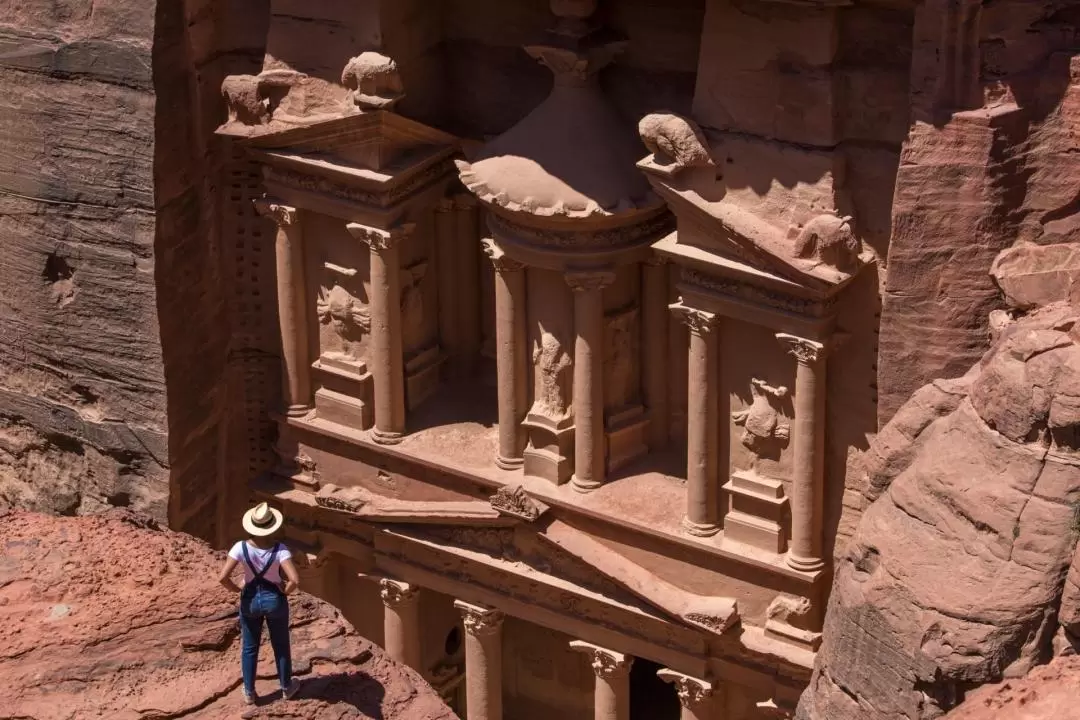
{"x": 480, "y": 620}
{"x": 333, "y": 497}
{"x": 805, "y": 351}
{"x": 692, "y": 691}
{"x": 395, "y": 593}
{"x": 515, "y": 501}
{"x": 281, "y": 214}
{"x": 499, "y": 258}
{"x": 757, "y": 295}
{"x": 295, "y": 179}
{"x": 567, "y": 240}
{"x": 763, "y": 425}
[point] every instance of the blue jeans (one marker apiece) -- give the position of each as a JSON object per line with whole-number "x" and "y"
{"x": 273, "y": 607}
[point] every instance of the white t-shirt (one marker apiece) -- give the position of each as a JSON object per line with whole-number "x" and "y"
{"x": 258, "y": 559}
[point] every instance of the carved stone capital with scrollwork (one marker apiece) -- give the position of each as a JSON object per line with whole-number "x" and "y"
{"x": 693, "y": 692}
{"x": 499, "y": 258}
{"x": 807, "y": 352}
{"x": 479, "y": 620}
{"x": 700, "y": 322}
{"x": 606, "y": 664}
{"x": 377, "y": 239}
{"x": 282, "y": 215}
{"x": 395, "y": 593}
{"x": 587, "y": 280}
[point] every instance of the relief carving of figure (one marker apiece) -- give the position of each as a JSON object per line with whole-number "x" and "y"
{"x": 829, "y": 240}
{"x": 412, "y": 306}
{"x": 675, "y": 142}
{"x": 552, "y": 363}
{"x": 621, "y": 358}
{"x": 346, "y": 316}
{"x": 762, "y": 424}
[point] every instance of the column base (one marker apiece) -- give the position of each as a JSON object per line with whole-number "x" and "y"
{"x": 700, "y": 529}
{"x": 506, "y": 463}
{"x": 383, "y": 437}
{"x": 584, "y": 486}
{"x": 804, "y": 564}
{"x": 298, "y": 410}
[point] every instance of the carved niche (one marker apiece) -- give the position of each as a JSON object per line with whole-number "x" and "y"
{"x": 765, "y": 432}
{"x": 413, "y": 308}
{"x": 622, "y": 352}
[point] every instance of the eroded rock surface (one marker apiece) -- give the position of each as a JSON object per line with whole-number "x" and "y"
{"x": 111, "y": 617}
{"x": 1047, "y": 693}
{"x": 957, "y": 569}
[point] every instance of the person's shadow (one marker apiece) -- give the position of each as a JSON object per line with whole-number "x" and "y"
{"x": 355, "y": 688}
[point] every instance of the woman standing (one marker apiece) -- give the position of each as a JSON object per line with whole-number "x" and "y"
{"x": 263, "y": 596}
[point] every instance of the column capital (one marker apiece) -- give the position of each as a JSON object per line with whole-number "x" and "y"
{"x": 700, "y": 322}
{"x": 479, "y": 620}
{"x": 499, "y": 258}
{"x": 395, "y": 593}
{"x": 806, "y": 351}
{"x": 283, "y": 215}
{"x": 586, "y": 280}
{"x": 606, "y": 664}
{"x": 693, "y": 692}
{"x": 378, "y": 239}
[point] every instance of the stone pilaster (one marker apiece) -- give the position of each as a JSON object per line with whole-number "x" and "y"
{"x": 655, "y": 330}
{"x": 467, "y": 217}
{"x": 808, "y": 465}
{"x": 292, "y": 314}
{"x": 611, "y": 697}
{"x": 510, "y": 355}
{"x": 401, "y": 622}
{"x": 697, "y": 697}
{"x": 703, "y": 439}
{"x": 386, "y": 360}
{"x": 483, "y": 661}
{"x": 588, "y": 403}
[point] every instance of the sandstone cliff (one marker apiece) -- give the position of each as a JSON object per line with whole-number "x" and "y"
{"x": 111, "y": 617}
{"x": 959, "y": 572}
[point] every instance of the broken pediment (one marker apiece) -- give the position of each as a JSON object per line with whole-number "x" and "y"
{"x": 381, "y": 142}
{"x": 771, "y": 209}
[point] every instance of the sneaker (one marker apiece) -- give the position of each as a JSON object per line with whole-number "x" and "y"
{"x": 249, "y": 699}
{"x": 293, "y": 688}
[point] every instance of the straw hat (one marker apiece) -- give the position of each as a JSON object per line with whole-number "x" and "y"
{"x": 262, "y": 520}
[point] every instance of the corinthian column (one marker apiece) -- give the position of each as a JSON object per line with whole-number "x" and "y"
{"x": 655, "y": 331}
{"x": 386, "y": 353}
{"x": 695, "y": 696}
{"x": 702, "y": 423}
{"x": 808, "y": 466}
{"x": 483, "y": 661}
{"x": 509, "y": 355}
{"x": 611, "y": 698}
{"x": 401, "y": 622}
{"x": 292, "y": 316}
{"x": 589, "y": 440}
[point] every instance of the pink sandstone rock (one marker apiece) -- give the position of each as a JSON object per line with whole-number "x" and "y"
{"x": 1035, "y": 275}
{"x": 1046, "y": 693}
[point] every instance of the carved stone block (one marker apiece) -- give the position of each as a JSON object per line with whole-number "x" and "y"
{"x": 550, "y": 453}
{"x": 422, "y": 374}
{"x": 345, "y": 392}
{"x": 757, "y": 512}
{"x": 626, "y": 436}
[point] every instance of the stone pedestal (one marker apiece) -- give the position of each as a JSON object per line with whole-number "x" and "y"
{"x": 808, "y": 466}
{"x": 345, "y": 397}
{"x": 551, "y": 448}
{"x": 697, "y": 697}
{"x": 510, "y": 338}
{"x": 401, "y": 622}
{"x": 386, "y": 360}
{"x": 483, "y": 661}
{"x": 589, "y": 440}
{"x": 702, "y": 423}
{"x": 292, "y": 313}
{"x": 756, "y": 512}
{"x": 611, "y": 696}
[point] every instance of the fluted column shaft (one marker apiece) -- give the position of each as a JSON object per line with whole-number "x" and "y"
{"x": 702, "y": 423}
{"x": 401, "y": 622}
{"x": 697, "y": 697}
{"x": 655, "y": 331}
{"x": 387, "y": 362}
{"x": 483, "y": 661}
{"x": 808, "y": 463}
{"x": 611, "y": 696}
{"x": 292, "y": 316}
{"x": 510, "y": 358}
{"x": 589, "y": 440}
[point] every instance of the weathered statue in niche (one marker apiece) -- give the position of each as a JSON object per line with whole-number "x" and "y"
{"x": 621, "y": 353}
{"x": 552, "y": 378}
{"x": 765, "y": 432}
{"x": 349, "y": 318}
{"x": 412, "y": 307}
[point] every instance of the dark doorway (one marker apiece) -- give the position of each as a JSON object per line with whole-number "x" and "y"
{"x": 650, "y": 697}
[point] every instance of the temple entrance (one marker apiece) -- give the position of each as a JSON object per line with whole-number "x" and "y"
{"x": 650, "y": 697}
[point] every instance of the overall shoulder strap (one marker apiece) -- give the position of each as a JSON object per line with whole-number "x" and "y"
{"x": 269, "y": 562}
